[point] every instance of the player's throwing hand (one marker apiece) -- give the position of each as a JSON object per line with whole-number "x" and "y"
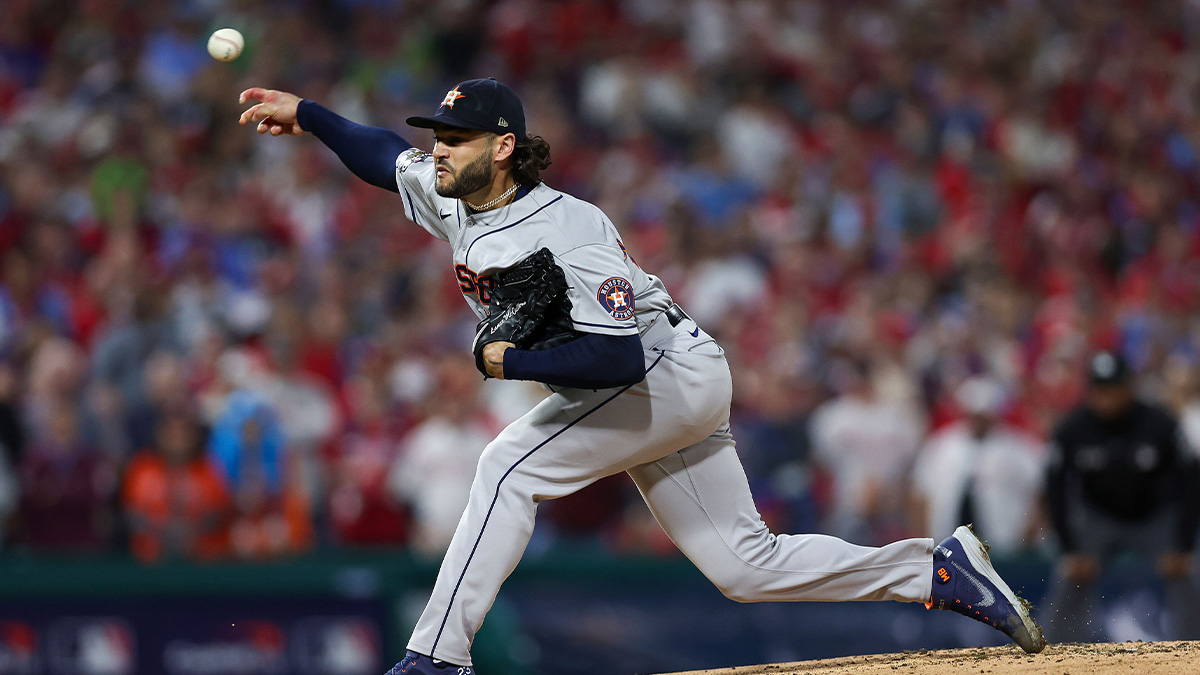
{"x": 276, "y": 114}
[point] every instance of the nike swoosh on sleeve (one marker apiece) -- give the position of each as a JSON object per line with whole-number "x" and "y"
{"x": 444, "y": 215}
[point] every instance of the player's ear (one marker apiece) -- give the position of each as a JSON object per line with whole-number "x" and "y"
{"x": 504, "y": 147}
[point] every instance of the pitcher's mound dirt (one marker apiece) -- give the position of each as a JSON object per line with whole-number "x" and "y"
{"x": 1127, "y": 658}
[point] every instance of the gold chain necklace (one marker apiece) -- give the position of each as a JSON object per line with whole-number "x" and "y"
{"x": 497, "y": 200}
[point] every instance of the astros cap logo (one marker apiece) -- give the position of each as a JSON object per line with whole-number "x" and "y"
{"x": 451, "y": 97}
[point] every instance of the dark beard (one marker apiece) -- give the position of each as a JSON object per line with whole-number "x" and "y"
{"x": 472, "y": 178}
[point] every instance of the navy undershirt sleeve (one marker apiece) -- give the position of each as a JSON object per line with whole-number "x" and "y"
{"x": 592, "y": 361}
{"x": 369, "y": 152}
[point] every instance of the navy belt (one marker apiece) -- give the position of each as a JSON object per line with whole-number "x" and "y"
{"x": 676, "y": 315}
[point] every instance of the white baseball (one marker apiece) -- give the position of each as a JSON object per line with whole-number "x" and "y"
{"x": 226, "y": 44}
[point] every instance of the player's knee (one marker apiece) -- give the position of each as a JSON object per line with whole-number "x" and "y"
{"x": 735, "y": 585}
{"x": 739, "y": 593}
{"x": 491, "y": 467}
{"x": 498, "y": 474}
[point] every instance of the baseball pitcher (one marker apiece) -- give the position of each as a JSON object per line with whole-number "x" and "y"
{"x": 637, "y": 386}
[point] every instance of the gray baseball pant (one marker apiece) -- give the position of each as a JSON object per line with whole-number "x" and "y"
{"x": 671, "y": 434}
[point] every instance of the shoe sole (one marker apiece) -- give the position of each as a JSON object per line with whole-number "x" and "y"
{"x": 978, "y": 556}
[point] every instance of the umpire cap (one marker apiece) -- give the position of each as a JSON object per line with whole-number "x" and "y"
{"x": 483, "y": 104}
{"x": 1107, "y": 368}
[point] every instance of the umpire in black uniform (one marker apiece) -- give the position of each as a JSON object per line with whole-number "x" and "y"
{"x": 1121, "y": 480}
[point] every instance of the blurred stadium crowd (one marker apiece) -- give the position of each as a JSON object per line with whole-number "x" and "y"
{"x": 893, "y": 215}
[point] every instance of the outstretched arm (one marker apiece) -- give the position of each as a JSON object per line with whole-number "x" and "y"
{"x": 369, "y": 152}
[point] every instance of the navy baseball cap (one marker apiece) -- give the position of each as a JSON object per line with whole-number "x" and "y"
{"x": 484, "y": 104}
{"x": 1108, "y": 368}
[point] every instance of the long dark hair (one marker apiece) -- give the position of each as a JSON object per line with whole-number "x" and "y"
{"x": 530, "y": 157}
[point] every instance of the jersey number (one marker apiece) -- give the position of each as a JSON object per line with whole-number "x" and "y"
{"x": 469, "y": 282}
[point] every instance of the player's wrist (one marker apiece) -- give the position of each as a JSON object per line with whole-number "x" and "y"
{"x": 493, "y": 358}
{"x": 306, "y": 110}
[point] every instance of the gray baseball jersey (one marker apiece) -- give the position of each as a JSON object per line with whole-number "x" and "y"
{"x": 609, "y": 293}
{"x": 670, "y": 432}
